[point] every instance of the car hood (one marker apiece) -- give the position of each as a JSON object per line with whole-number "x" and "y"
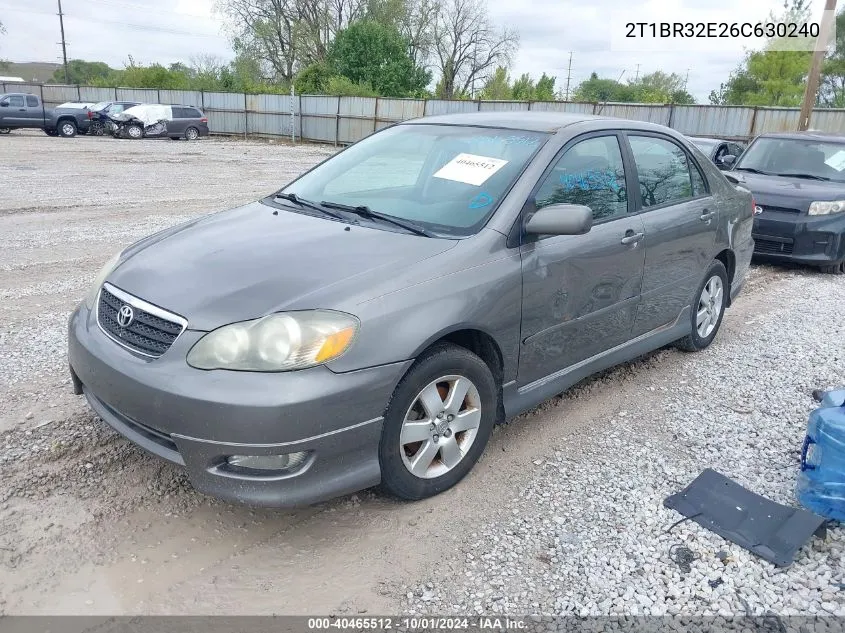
{"x": 788, "y": 192}
{"x": 247, "y": 262}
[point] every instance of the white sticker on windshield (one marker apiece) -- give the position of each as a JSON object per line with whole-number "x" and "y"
{"x": 837, "y": 161}
{"x": 470, "y": 169}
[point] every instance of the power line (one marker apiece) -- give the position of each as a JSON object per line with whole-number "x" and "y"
{"x": 140, "y": 7}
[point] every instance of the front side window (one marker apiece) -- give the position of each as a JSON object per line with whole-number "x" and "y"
{"x": 590, "y": 173}
{"x": 663, "y": 171}
{"x": 16, "y": 101}
{"x": 32, "y": 102}
{"x": 447, "y": 178}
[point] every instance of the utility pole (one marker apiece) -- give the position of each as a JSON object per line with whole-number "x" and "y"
{"x": 64, "y": 44}
{"x": 686, "y": 80}
{"x": 812, "y": 87}
{"x": 637, "y": 75}
{"x": 568, "y": 76}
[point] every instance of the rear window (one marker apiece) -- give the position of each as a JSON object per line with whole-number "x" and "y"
{"x": 32, "y": 102}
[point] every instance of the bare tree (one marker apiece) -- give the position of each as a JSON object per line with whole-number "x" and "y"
{"x": 207, "y": 63}
{"x": 468, "y": 47}
{"x": 287, "y": 34}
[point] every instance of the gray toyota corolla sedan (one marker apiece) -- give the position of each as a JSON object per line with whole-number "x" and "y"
{"x": 372, "y": 320}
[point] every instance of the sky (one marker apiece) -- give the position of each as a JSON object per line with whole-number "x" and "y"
{"x": 165, "y": 31}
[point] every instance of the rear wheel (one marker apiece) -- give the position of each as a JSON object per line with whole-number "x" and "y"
{"x": 192, "y": 134}
{"x": 835, "y": 269}
{"x": 67, "y": 129}
{"x": 437, "y": 423}
{"x": 5, "y": 130}
{"x": 134, "y": 131}
{"x": 707, "y": 309}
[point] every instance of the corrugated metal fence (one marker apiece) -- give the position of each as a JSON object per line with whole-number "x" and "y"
{"x": 343, "y": 120}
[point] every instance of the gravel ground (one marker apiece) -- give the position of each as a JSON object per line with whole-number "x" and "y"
{"x": 563, "y": 514}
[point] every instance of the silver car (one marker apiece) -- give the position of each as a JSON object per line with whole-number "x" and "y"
{"x": 371, "y": 321}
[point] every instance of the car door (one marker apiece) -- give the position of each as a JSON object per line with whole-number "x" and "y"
{"x": 14, "y": 114}
{"x": 580, "y": 292}
{"x": 179, "y": 124}
{"x": 34, "y": 111}
{"x": 680, "y": 219}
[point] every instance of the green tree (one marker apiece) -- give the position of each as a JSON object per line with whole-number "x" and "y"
{"x": 498, "y": 87}
{"x": 82, "y": 72}
{"x": 545, "y": 90}
{"x": 660, "y": 87}
{"x": 523, "y": 88}
{"x": 598, "y": 89}
{"x": 371, "y": 53}
{"x": 345, "y": 87}
{"x": 313, "y": 79}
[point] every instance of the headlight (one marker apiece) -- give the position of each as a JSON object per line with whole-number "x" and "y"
{"x": 277, "y": 342}
{"x": 827, "y": 207}
{"x": 91, "y": 297}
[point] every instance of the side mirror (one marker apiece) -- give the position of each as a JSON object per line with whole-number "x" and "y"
{"x": 561, "y": 219}
{"x": 728, "y": 160}
{"x": 4, "y": 104}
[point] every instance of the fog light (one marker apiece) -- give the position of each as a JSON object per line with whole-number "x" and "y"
{"x": 289, "y": 461}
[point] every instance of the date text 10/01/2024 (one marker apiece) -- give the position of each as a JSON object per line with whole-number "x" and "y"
{"x": 721, "y": 29}
{"x": 421, "y": 623}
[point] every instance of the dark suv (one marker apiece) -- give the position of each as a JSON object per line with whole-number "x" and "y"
{"x": 99, "y": 113}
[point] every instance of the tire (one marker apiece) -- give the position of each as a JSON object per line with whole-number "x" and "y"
{"x": 5, "y": 130}
{"x": 432, "y": 378}
{"x": 701, "y": 335}
{"x": 134, "y": 132}
{"x": 96, "y": 129}
{"x": 192, "y": 134}
{"x": 835, "y": 269}
{"x": 66, "y": 128}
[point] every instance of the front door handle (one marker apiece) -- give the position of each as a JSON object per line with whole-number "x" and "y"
{"x": 631, "y": 237}
{"x": 707, "y": 215}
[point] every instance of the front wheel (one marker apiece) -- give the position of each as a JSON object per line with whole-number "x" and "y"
{"x": 134, "y": 131}
{"x": 5, "y": 130}
{"x": 437, "y": 423}
{"x": 708, "y": 308}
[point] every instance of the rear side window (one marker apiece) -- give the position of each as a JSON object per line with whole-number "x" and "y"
{"x": 590, "y": 173}
{"x": 116, "y": 108}
{"x": 16, "y": 101}
{"x": 663, "y": 171}
{"x": 32, "y": 102}
{"x": 193, "y": 113}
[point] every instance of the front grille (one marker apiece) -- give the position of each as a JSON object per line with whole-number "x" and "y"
{"x": 772, "y": 247}
{"x": 767, "y": 207}
{"x": 147, "y": 333}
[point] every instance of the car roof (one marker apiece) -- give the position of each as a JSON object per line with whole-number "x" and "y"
{"x": 527, "y": 121}
{"x": 814, "y": 135}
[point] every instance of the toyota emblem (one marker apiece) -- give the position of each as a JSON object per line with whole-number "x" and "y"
{"x": 125, "y": 316}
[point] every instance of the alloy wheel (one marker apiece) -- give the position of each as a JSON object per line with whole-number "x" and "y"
{"x": 709, "y": 306}
{"x": 440, "y": 426}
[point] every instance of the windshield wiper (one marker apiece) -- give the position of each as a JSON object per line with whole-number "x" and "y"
{"x": 807, "y": 176}
{"x": 366, "y": 212}
{"x": 302, "y": 202}
{"x": 752, "y": 170}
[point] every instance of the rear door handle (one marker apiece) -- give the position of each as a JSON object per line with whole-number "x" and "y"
{"x": 707, "y": 215}
{"x": 631, "y": 237}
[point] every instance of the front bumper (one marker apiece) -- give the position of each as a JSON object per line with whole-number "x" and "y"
{"x": 800, "y": 238}
{"x": 198, "y": 418}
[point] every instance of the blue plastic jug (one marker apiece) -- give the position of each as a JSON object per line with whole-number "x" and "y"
{"x": 821, "y": 482}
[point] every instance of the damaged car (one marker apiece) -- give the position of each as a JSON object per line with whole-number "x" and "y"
{"x": 159, "y": 121}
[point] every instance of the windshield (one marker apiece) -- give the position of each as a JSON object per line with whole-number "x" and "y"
{"x": 785, "y": 156}
{"x": 704, "y": 144}
{"x": 448, "y": 179}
